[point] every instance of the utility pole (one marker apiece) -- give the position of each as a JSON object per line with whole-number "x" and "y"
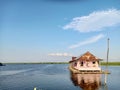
{"x": 107, "y": 61}
{"x": 107, "y": 53}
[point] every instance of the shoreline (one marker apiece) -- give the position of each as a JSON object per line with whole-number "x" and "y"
{"x": 102, "y": 63}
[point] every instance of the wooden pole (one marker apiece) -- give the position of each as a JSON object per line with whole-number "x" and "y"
{"x": 107, "y": 53}
{"x": 107, "y": 61}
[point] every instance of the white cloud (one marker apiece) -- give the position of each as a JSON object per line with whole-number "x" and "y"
{"x": 95, "y": 21}
{"x": 88, "y": 41}
{"x": 60, "y": 54}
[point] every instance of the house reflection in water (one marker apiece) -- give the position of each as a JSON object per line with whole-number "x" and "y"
{"x": 87, "y": 81}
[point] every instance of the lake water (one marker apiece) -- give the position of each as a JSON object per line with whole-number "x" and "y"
{"x": 54, "y": 77}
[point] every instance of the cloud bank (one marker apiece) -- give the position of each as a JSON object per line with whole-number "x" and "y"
{"x": 60, "y": 54}
{"x": 88, "y": 41}
{"x": 95, "y": 21}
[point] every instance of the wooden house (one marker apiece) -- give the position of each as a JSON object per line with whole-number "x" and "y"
{"x": 85, "y": 63}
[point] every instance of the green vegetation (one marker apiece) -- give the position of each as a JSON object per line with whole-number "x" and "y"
{"x": 37, "y": 63}
{"x": 111, "y": 63}
{"x": 51, "y": 63}
{"x": 102, "y": 63}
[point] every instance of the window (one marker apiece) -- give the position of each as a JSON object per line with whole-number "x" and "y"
{"x": 81, "y": 63}
{"x": 75, "y": 64}
{"x": 93, "y": 62}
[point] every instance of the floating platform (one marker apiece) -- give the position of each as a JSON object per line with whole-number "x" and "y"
{"x": 74, "y": 70}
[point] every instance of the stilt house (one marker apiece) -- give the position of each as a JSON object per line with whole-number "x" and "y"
{"x": 86, "y": 63}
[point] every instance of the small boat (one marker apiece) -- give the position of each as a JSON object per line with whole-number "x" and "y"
{"x": 86, "y": 64}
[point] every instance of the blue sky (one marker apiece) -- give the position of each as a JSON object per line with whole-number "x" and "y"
{"x": 56, "y": 30}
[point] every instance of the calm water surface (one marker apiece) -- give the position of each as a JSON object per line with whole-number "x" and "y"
{"x": 54, "y": 77}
